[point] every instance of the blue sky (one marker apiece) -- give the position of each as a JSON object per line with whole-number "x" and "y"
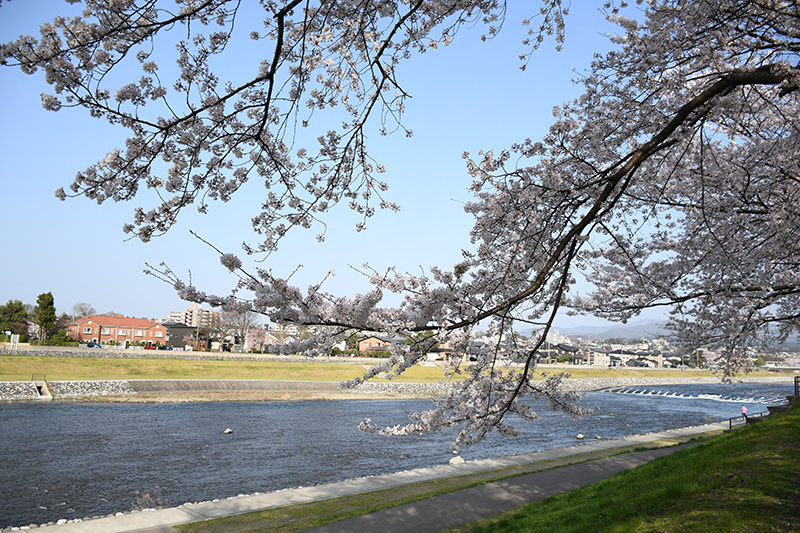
{"x": 466, "y": 97}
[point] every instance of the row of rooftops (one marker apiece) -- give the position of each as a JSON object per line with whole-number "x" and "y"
{"x": 115, "y": 321}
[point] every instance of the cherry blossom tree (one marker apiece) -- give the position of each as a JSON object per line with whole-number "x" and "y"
{"x": 673, "y": 181}
{"x": 237, "y": 324}
{"x": 256, "y": 340}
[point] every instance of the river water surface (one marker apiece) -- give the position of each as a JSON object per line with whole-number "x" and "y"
{"x": 75, "y": 460}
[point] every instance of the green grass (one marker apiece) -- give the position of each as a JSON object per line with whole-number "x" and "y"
{"x": 14, "y": 368}
{"x": 747, "y": 481}
{"x": 20, "y": 368}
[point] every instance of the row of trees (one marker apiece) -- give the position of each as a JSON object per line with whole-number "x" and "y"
{"x": 15, "y": 317}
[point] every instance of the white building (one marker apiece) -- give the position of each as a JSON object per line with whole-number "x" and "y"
{"x": 194, "y": 316}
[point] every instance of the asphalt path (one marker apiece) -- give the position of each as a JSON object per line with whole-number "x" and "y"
{"x": 483, "y": 501}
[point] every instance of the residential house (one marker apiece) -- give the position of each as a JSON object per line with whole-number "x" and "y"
{"x": 473, "y": 350}
{"x": 375, "y": 343}
{"x": 180, "y": 335}
{"x": 117, "y": 330}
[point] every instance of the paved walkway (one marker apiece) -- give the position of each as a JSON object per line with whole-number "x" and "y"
{"x": 453, "y": 509}
{"x": 433, "y": 514}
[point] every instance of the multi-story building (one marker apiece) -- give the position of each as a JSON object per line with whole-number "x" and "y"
{"x": 175, "y": 317}
{"x": 194, "y": 316}
{"x": 201, "y": 318}
{"x": 118, "y": 330}
{"x": 289, "y": 330}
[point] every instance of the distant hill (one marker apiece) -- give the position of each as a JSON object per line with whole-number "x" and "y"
{"x": 647, "y": 329}
{"x": 640, "y": 329}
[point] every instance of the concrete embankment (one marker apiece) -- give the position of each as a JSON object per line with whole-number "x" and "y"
{"x": 153, "y": 390}
{"x": 29, "y": 390}
{"x": 300, "y": 387}
{"x": 18, "y": 390}
{"x": 188, "y": 389}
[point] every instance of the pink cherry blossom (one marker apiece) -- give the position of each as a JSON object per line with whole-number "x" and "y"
{"x": 672, "y": 182}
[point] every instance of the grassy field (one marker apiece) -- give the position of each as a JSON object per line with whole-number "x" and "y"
{"x": 745, "y": 481}
{"x": 21, "y": 368}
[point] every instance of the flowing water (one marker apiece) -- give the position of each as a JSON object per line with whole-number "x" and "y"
{"x": 75, "y": 460}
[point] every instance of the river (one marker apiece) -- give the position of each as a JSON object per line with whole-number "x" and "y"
{"x": 75, "y": 460}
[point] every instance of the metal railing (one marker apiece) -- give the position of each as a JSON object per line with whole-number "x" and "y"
{"x": 743, "y": 420}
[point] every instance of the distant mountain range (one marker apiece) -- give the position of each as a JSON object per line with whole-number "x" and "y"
{"x": 639, "y": 329}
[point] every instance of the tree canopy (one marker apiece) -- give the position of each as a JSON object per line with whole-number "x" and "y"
{"x": 13, "y": 317}
{"x": 237, "y": 325}
{"x": 45, "y": 315}
{"x": 82, "y": 309}
{"x": 671, "y": 182}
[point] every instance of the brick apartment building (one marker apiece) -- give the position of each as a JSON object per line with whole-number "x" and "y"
{"x": 117, "y": 329}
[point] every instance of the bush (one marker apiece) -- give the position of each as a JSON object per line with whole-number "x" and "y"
{"x": 336, "y": 352}
{"x": 377, "y": 354}
{"x": 60, "y": 338}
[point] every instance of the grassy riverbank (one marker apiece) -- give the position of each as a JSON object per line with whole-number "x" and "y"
{"x": 276, "y": 369}
{"x": 21, "y": 368}
{"x": 742, "y": 481}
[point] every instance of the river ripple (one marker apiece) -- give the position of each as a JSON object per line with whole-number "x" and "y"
{"x": 75, "y": 460}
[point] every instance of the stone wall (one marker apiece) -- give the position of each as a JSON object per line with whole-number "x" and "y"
{"x": 18, "y": 390}
{"x": 82, "y": 389}
{"x": 229, "y": 385}
{"x": 406, "y": 389}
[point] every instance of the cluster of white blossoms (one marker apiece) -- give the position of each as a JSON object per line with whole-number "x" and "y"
{"x": 673, "y": 181}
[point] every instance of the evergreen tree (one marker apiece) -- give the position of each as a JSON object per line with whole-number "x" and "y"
{"x": 45, "y": 315}
{"x": 13, "y": 317}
